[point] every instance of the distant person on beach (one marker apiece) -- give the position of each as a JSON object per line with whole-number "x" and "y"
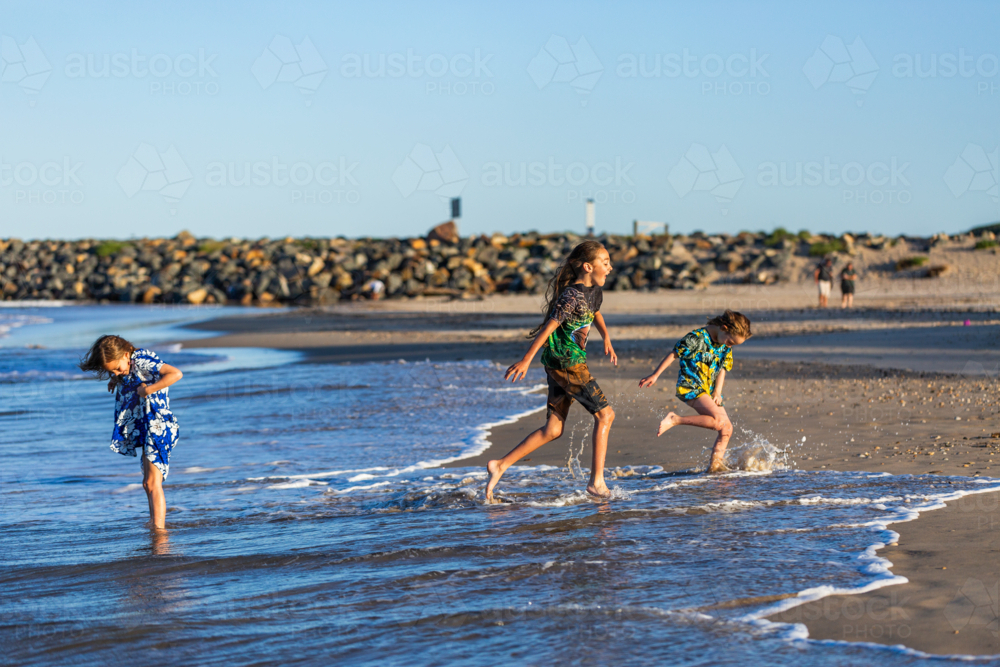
{"x": 572, "y": 304}
{"x": 847, "y": 278}
{"x": 705, "y": 355}
{"x": 824, "y": 281}
{"x": 374, "y": 289}
{"x": 143, "y": 420}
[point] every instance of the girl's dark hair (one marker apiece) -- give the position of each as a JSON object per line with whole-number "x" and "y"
{"x": 105, "y": 350}
{"x": 567, "y": 274}
{"x": 735, "y": 323}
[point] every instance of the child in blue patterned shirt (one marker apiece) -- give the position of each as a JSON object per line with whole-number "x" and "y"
{"x": 705, "y": 355}
{"x": 143, "y": 419}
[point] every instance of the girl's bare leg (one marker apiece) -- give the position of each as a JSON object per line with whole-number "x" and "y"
{"x": 553, "y": 429}
{"x": 711, "y": 416}
{"x": 152, "y": 482}
{"x": 602, "y": 426}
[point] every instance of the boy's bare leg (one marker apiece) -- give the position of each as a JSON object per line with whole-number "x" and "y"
{"x": 717, "y": 464}
{"x": 152, "y": 483}
{"x": 602, "y": 427}
{"x": 711, "y": 416}
{"x": 553, "y": 429}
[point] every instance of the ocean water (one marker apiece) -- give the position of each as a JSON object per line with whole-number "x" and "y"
{"x": 309, "y": 519}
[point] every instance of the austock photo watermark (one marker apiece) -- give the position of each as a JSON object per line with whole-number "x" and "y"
{"x": 457, "y": 74}
{"x": 23, "y": 64}
{"x": 701, "y": 170}
{"x": 559, "y": 62}
{"x": 53, "y": 182}
{"x": 717, "y": 173}
{"x": 876, "y": 183}
{"x": 284, "y": 62}
{"x": 327, "y": 182}
{"x": 425, "y": 170}
{"x": 737, "y": 74}
{"x": 149, "y": 170}
{"x": 607, "y": 181}
{"x": 183, "y": 74}
{"x": 321, "y": 182}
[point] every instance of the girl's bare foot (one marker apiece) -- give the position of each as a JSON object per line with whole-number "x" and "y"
{"x": 599, "y": 491}
{"x": 493, "y": 468}
{"x": 670, "y": 421}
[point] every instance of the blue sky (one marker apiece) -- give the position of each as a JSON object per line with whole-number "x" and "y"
{"x": 696, "y": 114}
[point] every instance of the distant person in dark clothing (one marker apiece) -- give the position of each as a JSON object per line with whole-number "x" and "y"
{"x": 847, "y": 278}
{"x": 824, "y": 281}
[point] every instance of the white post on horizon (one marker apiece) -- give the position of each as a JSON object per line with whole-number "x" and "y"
{"x": 590, "y": 217}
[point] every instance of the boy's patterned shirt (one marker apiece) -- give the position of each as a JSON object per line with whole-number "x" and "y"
{"x": 575, "y": 311}
{"x": 700, "y": 361}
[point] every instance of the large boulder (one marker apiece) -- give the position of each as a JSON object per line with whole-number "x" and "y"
{"x": 446, "y": 232}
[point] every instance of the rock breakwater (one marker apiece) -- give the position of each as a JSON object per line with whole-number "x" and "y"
{"x": 186, "y": 269}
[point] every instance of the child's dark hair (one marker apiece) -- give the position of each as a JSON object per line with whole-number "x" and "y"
{"x": 105, "y": 350}
{"x": 735, "y": 323}
{"x": 567, "y": 274}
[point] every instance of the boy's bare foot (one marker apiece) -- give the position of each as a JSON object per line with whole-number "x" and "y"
{"x": 601, "y": 491}
{"x": 670, "y": 421}
{"x": 493, "y": 468}
{"x": 717, "y": 467}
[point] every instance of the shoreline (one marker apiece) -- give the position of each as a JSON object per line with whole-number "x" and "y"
{"x": 825, "y": 416}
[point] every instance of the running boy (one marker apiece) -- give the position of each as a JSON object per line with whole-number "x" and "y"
{"x": 705, "y": 355}
{"x": 572, "y": 304}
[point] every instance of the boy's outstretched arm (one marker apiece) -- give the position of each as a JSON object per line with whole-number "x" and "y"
{"x": 520, "y": 369}
{"x": 650, "y": 380}
{"x": 602, "y": 329}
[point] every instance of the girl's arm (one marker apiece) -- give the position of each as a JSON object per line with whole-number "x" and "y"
{"x": 719, "y": 381}
{"x": 602, "y": 329}
{"x": 168, "y": 376}
{"x": 520, "y": 369}
{"x": 650, "y": 380}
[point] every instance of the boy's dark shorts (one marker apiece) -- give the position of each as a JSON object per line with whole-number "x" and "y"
{"x": 575, "y": 382}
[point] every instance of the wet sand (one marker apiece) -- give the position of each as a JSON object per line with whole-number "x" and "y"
{"x": 905, "y": 388}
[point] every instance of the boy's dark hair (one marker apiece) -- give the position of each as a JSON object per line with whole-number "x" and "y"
{"x": 105, "y": 350}
{"x": 735, "y": 323}
{"x": 567, "y": 274}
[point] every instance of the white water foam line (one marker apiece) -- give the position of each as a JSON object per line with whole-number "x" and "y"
{"x": 875, "y": 565}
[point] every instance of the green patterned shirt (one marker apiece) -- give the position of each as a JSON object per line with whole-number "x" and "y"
{"x": 575, "y": 311}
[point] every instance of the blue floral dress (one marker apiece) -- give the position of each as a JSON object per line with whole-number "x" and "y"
{"x": 146, "y": 424}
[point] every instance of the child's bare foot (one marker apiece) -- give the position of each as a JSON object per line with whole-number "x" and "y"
{"x": 717, "y": 466}
{"x": 493, "y": 468}
{"x": 670, "y": 421}
{"x": 601, "y": 491}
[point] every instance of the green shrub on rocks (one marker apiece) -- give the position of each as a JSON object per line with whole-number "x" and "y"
{"x": 109, "y": 248}
{"x": 913, "y": 262}
{"x": 824, "y": 248}
{"x": 986, "y": 243}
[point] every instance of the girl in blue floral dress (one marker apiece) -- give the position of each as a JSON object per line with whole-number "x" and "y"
{"x": 705, "y": 355}
{"x": 143, "y": 420}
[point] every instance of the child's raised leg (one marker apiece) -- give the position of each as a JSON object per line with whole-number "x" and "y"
{"x": 152, "y": 483}
{"x": 711, "y": 416}
{"x": 602, "y": 425}
{"x": 552, "y": 430}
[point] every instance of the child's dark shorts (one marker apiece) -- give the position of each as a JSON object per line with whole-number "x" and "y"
{"x": 575, "y": 382}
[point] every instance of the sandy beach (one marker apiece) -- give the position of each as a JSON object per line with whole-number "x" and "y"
{"x": 904, "y": 384}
